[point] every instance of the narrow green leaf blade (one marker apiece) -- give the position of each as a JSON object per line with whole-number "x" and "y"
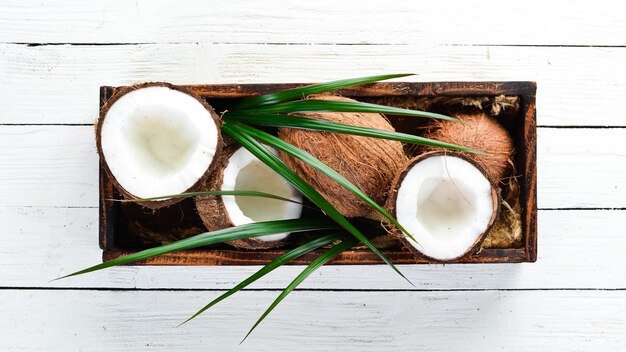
{"x": 317, "y": 263}
{"x": 301, "y": 122}
{"x": 271, "y": 160}
{"x": 212, "y": 193}
{"x": 219, "y": 236}
{"x": 301, "y": 92}
{"x": 317, "y": 164}
{"x": 341, "y": 106}
{"x": 285, "y": 258}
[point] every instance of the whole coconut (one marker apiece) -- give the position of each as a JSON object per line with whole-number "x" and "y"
{"x": 369, "y": 163}
{"x": 479, "y": 132}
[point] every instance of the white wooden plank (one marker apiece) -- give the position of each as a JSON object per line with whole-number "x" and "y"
{"x": 59, "y": 84}
{"x": 58, "y": 166}
{"x": 577, "y": 249}
{"x": 50, "y": 166}
{"x": 325, "y": 21}
{"x": 323, "y": 321}
{"x": 581, "y": 168}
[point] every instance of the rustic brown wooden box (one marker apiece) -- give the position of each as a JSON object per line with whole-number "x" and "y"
{"x": 523, "y": 132}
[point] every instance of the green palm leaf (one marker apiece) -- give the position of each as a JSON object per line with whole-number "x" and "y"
{"x": 341, "y": 106}
{"x": 285, "y": 258}
{"x": 290, "y": 176}
{"x": 325, "y": 169}
{"x": 219, "y": 236}
{"x": 301, "y": 122}
{"x": 301, "y": 92}
{"x": 212, "y": 193}
{"x": 321, "y": 260}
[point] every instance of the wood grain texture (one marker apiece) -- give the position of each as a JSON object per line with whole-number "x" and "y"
{"x": 528, "y": 158}
{"x": 315, "y": 321}
{"x": 58, "y": 166}
{"x": 532, "y": 22}
{"x": 352, "y": 257}
{"x": 58, "y": 241}
{"x": 576, "y": 85}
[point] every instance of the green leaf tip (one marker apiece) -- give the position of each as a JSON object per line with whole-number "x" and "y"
{"x": 208, "y": 238}
{"x": 274, "y": 264}
{"x": 317, "y": 263}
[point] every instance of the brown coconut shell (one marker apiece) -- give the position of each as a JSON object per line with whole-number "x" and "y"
{"x": 369, "y": 163}
{"x": 479, "y": 132}
{"x": 213, "y": 212}
{"x": 392, "y": 207}
{"x": 157, "y": 204}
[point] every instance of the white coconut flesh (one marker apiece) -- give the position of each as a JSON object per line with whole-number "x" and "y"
{"x": 446, "y": 204}
{"x": 158, "y": 141}
{"x": 245, "y": 172}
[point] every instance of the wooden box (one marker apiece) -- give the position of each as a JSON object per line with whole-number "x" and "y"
{"x": 115, "y": 230}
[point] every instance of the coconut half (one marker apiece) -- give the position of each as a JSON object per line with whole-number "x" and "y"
{"x": 446, "y": 202}
{"x": 157, "y": 139}
{"x": 239, "y": 170}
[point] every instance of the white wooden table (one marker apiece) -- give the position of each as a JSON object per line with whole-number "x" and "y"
{"x": 55, "y": 54}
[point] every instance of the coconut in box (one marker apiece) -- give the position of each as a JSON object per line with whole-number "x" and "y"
{"x": 472, "y": 202}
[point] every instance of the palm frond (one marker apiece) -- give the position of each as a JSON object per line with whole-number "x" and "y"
{"x": 307, "y": 123}
{"x": 301, "y": 92}
{"x": 269, "y": 267}
{"x": 306, "y": 157}
{"x": 219, "y": 236}
{"x": 321, "y": 260}
{"x": 211, "y": 193}
{"x": 341, "y": 106}
{"x": 271, "y": 160}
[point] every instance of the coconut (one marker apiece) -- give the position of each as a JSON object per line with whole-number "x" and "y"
{"x": 237, "y": 169}
{"x": 446, "y": 202}
{"x": 369, "y": 163}
{"x": 156, "y": 139}
{"x": 479, "y": 132}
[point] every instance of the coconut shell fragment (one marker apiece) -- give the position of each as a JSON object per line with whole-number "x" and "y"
{"x": 369, "y": 163}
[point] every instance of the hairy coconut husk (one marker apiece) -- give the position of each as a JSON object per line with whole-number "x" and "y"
{"x": 479, "y": 132}
{"x": 157, "y": 204}
{"x": 507, "y": 231}
{"x": 213, "y": 212}
{"x": 369, "y": 163}
{"x": 392, "y": 207}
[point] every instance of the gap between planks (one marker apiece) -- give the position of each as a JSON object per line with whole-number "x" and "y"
{"x": 374, "y": 290}
{"x": 574, "y": 84}
{"x": 32, "y": 44}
